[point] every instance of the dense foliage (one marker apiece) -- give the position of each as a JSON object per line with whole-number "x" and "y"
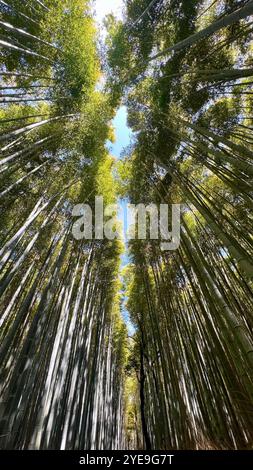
{"x": 62, "y": 336}
{"x": 70, "y": 376}
{"x": 190, "y": 106}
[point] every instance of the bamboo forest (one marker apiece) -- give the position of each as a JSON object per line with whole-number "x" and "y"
{"x": 108, "y": 343}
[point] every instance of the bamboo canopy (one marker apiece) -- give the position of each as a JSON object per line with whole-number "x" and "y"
{"x": 71, "y": 375}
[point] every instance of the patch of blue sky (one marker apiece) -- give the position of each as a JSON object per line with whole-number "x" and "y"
{"x": 123, "y": 138}
{"x": 104, "y": 7}
{"x": 122, "y": 131}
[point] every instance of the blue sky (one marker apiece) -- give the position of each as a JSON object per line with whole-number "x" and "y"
{"x": 123, "y": 139}
{"x": 103, "y": 7}
{"x": 122, "y": 134}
